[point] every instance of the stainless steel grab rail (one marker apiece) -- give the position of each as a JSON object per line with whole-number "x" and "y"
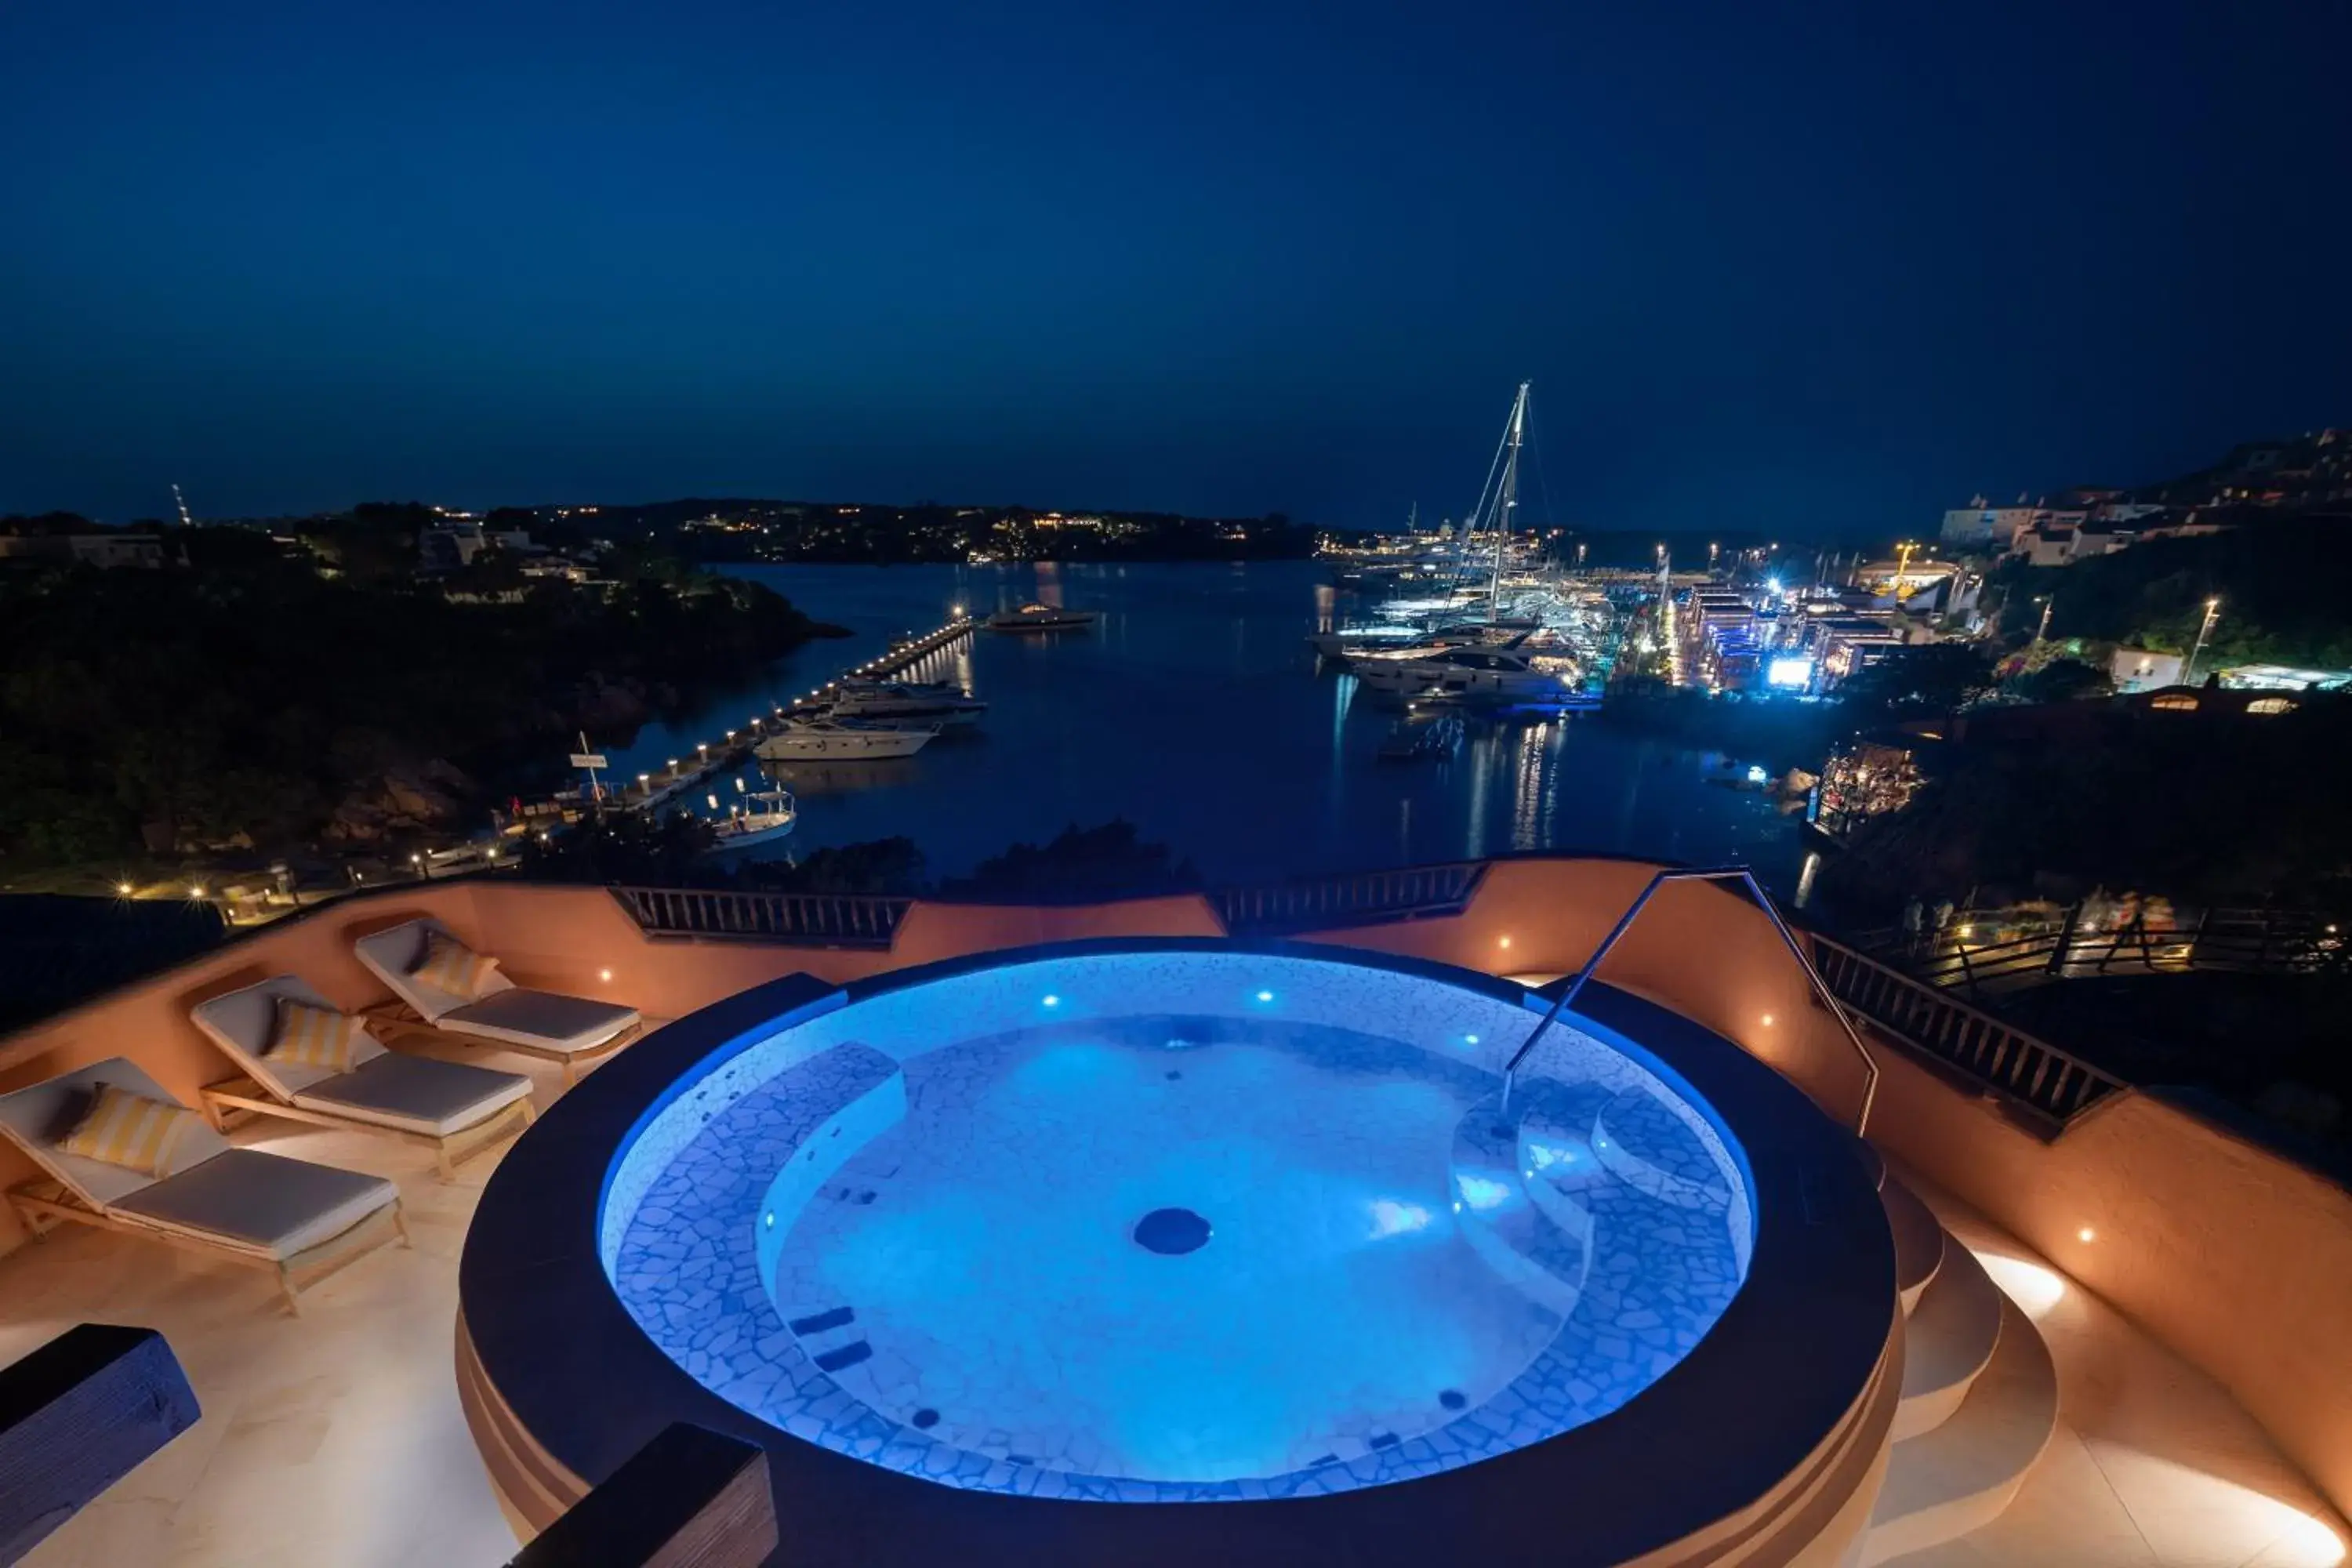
{"x": 1796, "y": 949}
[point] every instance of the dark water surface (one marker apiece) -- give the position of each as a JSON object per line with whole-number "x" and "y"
{"x": 1196, "y": 711}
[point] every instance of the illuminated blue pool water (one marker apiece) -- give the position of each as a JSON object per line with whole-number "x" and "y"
{"x": 1177, "y": 1225}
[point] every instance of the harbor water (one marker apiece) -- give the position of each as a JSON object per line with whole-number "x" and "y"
{"x": 1196, "y": 711}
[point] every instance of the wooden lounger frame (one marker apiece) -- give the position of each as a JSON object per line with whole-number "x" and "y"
{"x": 394, "y": 1021}
{"x": 229, "y": 1101}
{"x": 45, "y": 1201}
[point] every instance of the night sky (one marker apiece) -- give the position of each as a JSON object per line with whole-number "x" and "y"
{"x": 1804, "y": 275}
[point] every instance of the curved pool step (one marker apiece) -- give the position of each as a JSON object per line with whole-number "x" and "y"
{"x": 1960, "y": 1475}
{"x": 1652, "y": 1150}
{"x": 1949, "y": 1341}
{"x": 1543, "y": 1249}
{"x": 1919, "y": 1240}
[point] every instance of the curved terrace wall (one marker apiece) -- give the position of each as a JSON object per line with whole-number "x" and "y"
{"x": 2236, "y": 1259}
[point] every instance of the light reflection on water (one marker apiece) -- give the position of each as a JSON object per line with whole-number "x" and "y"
{"x": 1196, "y": 711}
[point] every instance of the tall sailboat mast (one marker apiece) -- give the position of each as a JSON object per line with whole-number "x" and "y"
{"x": 1506, "y": 498}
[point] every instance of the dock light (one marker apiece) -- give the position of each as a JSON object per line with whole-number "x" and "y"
{"x": 123, "y": 888}
{"x": 703, "y": 746}
{"x": 605, "y": 975}
{"x": 195, "y": 890}
{"x": 1052, "y": 1000}
{"x": 645, "y": 778}
{"x": 731, "y": 735}
{"x": 673, "y": 765}
{"x": 542, "y": 836}
{"x": 419, "y": 859}
{"x": 2087, "y": 1234}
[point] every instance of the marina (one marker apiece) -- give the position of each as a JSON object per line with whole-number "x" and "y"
{"x": 1191, "y": 668}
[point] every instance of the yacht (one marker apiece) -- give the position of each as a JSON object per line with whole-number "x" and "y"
{"x": 1507, "y": 674}
{"x": 766, "y": 816}
{"x": 844, "y": 738}
{"x": 902, "y": 703}
{"x": 1043, "y": 618}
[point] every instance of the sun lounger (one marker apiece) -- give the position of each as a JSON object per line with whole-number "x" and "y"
{"x": 545, "y": 1024}
{"x": 302, "y": 1221}
{"x": 456, "y": 1110}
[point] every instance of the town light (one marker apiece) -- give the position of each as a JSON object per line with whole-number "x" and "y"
{"x": 124, "y": 888}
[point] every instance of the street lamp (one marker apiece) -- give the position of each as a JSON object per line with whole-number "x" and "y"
{"x": 2204, "y": 630}
{"x": 2049, "y": 603}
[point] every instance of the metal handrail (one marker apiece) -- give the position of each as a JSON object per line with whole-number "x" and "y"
{"x": 1928, "y": 1019}
{"x": 1796, "y": 949}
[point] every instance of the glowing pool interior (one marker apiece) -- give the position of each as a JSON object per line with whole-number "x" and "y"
{"x": 1177, "y": 1225}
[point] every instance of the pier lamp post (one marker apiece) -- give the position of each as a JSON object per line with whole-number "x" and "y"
{"x": 2204, "y": 630}
{"x": 702, "y": 750}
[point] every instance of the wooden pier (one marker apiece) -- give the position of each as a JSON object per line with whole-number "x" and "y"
{"x": 683, "y": 775}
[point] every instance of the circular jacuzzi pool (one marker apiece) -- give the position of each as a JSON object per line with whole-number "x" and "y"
{"x": 1166, "y": 1251}
{"x": 1177, "y": 1225}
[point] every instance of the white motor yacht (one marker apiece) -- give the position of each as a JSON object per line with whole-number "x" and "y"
{"x": 842, "y": 738}
{"x": 1504, "y": 674}
{"x": 901, "y": 704}
{"x": 1042, "y": 618}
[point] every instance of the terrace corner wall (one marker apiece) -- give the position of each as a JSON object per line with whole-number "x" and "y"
{"x": 2238, "y": 1260}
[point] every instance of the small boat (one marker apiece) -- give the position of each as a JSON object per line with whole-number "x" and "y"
{"x": 1415, "y": 739}
{"x": 767, "y": 815}
{"x": 901, "y": 703}
{"x": 842, "y": 738}
{"x": 1042, "y": 618}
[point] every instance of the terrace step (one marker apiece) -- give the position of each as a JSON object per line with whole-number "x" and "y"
{"x": 1960, "y": 1475}
{"x": 1919, "y": 1240}
{"x": 1948, "y": 1342}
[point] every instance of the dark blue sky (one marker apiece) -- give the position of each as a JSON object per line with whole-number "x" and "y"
{"x": 1802, "y": 275}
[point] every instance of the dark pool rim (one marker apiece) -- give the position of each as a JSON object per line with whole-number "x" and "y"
{"x": 1746, "y": 1409}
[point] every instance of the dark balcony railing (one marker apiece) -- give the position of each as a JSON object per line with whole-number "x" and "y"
{"x": 1930, "y": 1020}
{"x": 813, "y": 920}
{"x": 1363, "y": 897}
{"x": 1991, "y": 952}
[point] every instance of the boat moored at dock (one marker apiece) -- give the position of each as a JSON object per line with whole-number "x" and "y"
{"x": 841, "y": 738}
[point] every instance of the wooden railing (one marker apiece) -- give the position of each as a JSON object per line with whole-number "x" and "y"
{"x": 1365, "y": 897}
{"x": 1929, "y": 1020}
{"x": 814, "y": 920}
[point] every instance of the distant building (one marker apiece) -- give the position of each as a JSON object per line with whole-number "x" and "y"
{"x": 2143, "y": 670}
{"x": 451, "y": 546}
{"x": 108, "y": 550}
{"x": 1980, "y": 523}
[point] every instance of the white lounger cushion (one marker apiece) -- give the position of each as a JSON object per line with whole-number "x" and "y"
{"x": 265, "y": 1204}
{"x": 36, "y": 1117}
{"x": 546, "y": 1019}
{"x": 243, "y": 1024}
{"x": 416, "y": 1094}
{"x": 393, "y": 955}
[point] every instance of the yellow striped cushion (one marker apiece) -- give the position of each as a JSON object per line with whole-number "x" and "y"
{"x": 312, "y": 1036}
{"x": 131, "y": 1130}
{"x": 450, "y": 965}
